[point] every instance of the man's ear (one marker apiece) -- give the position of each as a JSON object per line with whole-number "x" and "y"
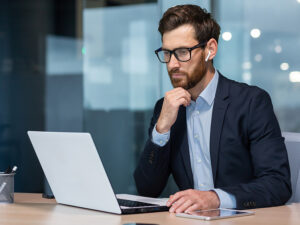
{"x": 211, "y": 49}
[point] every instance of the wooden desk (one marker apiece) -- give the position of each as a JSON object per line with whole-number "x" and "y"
{"x": 33, "y": 209}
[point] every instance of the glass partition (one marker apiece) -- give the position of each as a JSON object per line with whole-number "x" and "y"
{"x": 122, "y": 81}
{"x": 86, "y": 65}
{"x": 121, "y": 84}
{"x": 259, "y": 45}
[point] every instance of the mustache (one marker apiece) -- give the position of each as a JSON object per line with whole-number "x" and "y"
{"x": 176, "y": 70}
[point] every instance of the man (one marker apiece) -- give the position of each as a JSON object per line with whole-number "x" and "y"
{"x": 219, "y": 138}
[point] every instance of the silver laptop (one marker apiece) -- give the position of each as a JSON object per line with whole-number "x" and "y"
{"x": 77, "y": 177}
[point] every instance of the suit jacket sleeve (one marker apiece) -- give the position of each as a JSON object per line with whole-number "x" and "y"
{"x": 271, "y": 183}
{"x": 153, "y": 169}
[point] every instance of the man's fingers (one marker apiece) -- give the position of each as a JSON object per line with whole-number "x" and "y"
{"x": 172, "y": 101}
{"x": 178, "y": 93}
{"x": 184, "y": 93}
{"x": 174, "y": 198}
{"x": 177, "y": 204}
{"x": 192, "y": 208}
{"x": 173, "y": 97}
{"x": 187, "y": 98}
{"x": 185, "y": 205}
{"x": 191, "y": 200}
{"x": 183, "y": 101}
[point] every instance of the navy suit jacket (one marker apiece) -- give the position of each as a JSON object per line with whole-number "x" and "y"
{"x": 248, "y": 154}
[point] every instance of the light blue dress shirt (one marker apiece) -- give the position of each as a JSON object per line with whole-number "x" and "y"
{"x": 198, "y": 119}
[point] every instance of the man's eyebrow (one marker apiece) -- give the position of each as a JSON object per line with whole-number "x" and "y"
{"x": 175, "y": 48}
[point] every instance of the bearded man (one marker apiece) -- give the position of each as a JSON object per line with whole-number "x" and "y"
{"x": 220, "y": 139}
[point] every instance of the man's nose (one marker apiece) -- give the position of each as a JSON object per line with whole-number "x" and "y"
{"x": 173, "y": 62}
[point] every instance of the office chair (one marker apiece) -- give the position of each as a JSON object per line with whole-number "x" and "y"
{"x": 292, "y": 143}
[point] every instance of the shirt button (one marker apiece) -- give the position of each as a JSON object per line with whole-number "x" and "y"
{"x": 199, "y": 160}
{"x": 196, "y": 136}
{"x": 197, "y": 112}
{"x": 161, "y": 142}
{"x": 202, "y": 185}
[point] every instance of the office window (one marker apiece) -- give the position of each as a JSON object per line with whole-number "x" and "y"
{"x": 259, "y": 45}
{"x": 121, "y": 83}
{"x": 40, "y": 88}
{"x": 89, "y": 65}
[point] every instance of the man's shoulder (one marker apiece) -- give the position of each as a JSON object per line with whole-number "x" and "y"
{"x": 242, "y": 90}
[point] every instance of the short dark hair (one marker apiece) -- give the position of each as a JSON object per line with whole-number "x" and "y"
{"x": 205, "y": 26}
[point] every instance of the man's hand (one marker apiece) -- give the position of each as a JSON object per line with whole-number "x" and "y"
{"x": 191, "y": 200}
{"x": 173, "y": 99}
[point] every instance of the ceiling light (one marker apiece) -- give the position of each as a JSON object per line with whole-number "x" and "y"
{"x": 247, "y": 65}
{"x": 227, "y": 36}
{"x": 258, "y": 57}
{"x": 278, "y": 49}
{"x": 255, "y": 33}
{"x": 284, "y": 66}
{"x": 294, "y": 76}
{"x": 247, "y": 76}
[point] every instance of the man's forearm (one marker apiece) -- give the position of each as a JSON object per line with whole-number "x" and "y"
{"x": 153, "y": 170}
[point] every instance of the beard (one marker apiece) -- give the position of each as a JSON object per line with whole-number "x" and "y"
{"x": 187, "y": 81}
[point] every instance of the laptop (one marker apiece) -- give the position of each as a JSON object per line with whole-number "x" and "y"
{"x": 77, "y": 177}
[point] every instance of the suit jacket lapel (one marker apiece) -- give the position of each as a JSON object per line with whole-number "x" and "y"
{"x": 219, "y": 110}
{"x": 184, "y": 147}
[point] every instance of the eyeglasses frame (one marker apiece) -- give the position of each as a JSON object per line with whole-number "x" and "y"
{"x": 173, "y": 52}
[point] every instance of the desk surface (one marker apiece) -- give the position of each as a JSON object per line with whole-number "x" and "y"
{"x": 33, "y": 209}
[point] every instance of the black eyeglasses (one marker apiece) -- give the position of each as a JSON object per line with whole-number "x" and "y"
{"x": 181, "y": 54}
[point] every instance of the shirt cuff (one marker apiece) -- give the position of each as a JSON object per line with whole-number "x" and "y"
{"x": 226, "y": 200}
{"x": 160, "y": 139}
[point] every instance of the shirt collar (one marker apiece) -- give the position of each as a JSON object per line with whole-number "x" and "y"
{"x": 209, "y": 93}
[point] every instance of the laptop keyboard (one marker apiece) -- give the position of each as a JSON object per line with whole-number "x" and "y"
{"x": 130, "y": 203}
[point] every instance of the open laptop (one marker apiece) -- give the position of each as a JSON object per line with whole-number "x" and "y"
{"x": 77, "y": 177}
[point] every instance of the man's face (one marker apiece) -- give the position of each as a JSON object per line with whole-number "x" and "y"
{"x": 184, "y": 74}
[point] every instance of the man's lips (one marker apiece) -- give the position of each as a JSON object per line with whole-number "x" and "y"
{"x": 177, "y": 75}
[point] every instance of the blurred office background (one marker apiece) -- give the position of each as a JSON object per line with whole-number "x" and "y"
{"x": 89, "y": 66}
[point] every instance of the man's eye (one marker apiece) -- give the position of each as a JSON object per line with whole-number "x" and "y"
{"x": 182, "y": 51}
